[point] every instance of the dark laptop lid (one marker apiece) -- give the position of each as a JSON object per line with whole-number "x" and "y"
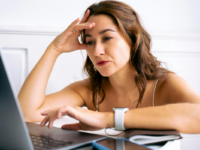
{"x": 13, "y": 131}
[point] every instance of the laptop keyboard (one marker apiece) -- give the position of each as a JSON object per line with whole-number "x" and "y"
{"x": 41, "y": 142}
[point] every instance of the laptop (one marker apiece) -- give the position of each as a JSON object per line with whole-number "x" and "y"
{"x": 16, "y": 134}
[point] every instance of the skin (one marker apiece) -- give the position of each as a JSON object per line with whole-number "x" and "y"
{"x": 177, "y": 105}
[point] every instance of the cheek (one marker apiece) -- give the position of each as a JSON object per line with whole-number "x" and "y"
{"x": 123, "y": 51}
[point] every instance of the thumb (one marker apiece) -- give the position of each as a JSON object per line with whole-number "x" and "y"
{"x": 75, "y": 126}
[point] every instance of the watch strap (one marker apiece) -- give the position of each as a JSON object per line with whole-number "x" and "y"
{"x": 119, "y": 118}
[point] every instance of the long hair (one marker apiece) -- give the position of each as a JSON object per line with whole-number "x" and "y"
{"x": 145, "y": 65}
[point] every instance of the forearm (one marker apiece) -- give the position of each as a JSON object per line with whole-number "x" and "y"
{"x": 32, "y": 93}
{"x": 184, "y": 117}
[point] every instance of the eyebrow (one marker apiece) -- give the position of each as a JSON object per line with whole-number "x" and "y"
{"x": 101, "y": 32}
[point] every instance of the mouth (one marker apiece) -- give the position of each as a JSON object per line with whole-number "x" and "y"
{"x": 102, "y": 62}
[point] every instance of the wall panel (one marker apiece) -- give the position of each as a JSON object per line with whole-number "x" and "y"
{"x": 181, "y": 53}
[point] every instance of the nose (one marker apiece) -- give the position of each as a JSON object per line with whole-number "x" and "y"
{"x": 99, "y": 49}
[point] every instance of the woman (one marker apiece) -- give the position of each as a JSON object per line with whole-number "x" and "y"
{"x": 122, "y": 73}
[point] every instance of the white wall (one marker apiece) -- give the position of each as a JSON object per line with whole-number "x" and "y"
{"x": 168, "y": 16}
{"x": 173, "y": 24}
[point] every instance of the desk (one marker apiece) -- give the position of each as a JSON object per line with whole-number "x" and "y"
{"x": 188, "y": 142}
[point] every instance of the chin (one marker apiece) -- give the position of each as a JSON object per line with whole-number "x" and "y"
{"x": 105, "y": 73}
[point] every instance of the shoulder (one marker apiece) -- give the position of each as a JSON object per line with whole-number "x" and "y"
{"x": 175, "y": 89}
{"x": 81, "y": 85}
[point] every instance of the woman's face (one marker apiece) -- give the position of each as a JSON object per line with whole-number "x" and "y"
{"x": 106, "y": 47}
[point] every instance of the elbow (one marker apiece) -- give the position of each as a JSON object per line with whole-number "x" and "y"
{"x": 189, "y": 123}
{"x": 27, "y": 118}
{"x": 31, "y": 116}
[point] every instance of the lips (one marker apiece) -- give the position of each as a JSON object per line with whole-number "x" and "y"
{"x": 102, "y": 62}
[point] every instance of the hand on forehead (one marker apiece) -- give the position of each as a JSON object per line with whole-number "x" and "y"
{"x": 102, "y": 22}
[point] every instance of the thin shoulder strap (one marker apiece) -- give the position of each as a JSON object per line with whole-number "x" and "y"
{"x": 97, "y": 101}
{"x": 154, "y": 90}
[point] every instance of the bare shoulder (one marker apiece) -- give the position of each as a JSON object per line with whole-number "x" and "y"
{"x": 81, "y": 85}
{"x": 175, "y": 89}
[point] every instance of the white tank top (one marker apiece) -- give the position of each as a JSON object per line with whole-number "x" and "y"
{"x": 154, "y": 90}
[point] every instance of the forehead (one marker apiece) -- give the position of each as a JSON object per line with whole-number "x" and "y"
{"x": 101, "y": 22}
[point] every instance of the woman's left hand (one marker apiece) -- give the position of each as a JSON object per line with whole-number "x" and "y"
{"x": 88, "y": 119}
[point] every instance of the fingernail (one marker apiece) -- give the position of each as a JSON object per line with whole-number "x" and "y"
{"x": 44, "y": 111}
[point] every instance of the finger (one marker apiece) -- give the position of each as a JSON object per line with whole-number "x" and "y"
{"x": 71, "y": 26}
{"x": 75, "y": 126}
{"x": 54, "y": 116}
{"x": 85, "y": 17}
{"x": 50, "y": 124}
{"x": 44, "y": 113}
{"x": 44, "y": 121}
{"x": 82, "y": 26}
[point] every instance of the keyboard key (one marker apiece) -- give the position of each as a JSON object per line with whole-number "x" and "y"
{"x": 45, "y": 142}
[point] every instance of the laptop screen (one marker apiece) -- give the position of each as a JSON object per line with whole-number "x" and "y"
{"x": 14, "y": 133}
{"x": 13, "y": 130}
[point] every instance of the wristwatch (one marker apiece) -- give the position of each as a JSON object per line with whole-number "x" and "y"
{"x": 119, "y": 118}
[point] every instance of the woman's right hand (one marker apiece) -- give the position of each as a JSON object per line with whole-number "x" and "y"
{"x": 88, "y": 120}
{"x": 68, "y": 41}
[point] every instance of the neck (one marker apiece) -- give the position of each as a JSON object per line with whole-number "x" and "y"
{"x": 123, "y": 82}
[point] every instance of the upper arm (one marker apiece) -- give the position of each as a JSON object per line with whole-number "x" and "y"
{"x": 70, "y": 95}
{"x": 175, "y": 89}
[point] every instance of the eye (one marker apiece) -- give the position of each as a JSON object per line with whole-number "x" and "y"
{"x": 107, "y": 38}
{"x": 89, "y": 43}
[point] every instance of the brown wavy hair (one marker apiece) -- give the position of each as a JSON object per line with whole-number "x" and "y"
{"x": 145, "y": 65}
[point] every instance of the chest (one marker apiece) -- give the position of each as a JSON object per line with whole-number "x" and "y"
{"x": 150, "y": 98}
{"x": 130, "y": 101}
